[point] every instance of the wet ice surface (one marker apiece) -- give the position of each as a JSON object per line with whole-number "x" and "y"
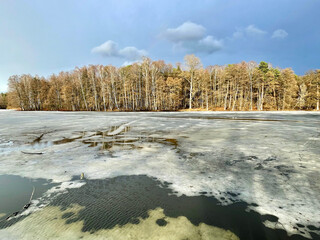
{"x": 270, "y": 160}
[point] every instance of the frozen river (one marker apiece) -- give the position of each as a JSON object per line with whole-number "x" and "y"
{"x": 181, "y": 175}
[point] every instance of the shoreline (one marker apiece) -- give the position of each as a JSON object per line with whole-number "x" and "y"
{"x": 164, "y": 111}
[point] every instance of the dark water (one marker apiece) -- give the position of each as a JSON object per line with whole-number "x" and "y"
{"x": 15, "y": 193}
{"x": 124, "y": 199}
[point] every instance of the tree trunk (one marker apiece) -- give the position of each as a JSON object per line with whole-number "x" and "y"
{"x": 207, "y": 99}
{"x": 318, "y": 100}
{"x": 82, "y": 91}
{"x": 226, "y": 97}
{"x": 190, "y": 94}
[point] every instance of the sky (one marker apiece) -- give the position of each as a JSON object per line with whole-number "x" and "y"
{"x": 46, "y": 37}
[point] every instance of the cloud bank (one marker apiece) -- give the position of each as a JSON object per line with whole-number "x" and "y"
{"x": 188, "y": 37}
{"x": 111, "y": 49}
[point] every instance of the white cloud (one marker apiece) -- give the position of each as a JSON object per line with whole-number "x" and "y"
{"x": 279, "y": 34}
{"x": 254, "y": 31}
{"x": 188, "y": 31}
{"x": 238, "y": 34}
{"x": 132, "y": 53}
{"x": 108, "y": 49}
{"x": 111, "y": 49}
{"x": 191, "y": 37}
{"x": 209, "y": 44}
{"x": 249, "y": 31}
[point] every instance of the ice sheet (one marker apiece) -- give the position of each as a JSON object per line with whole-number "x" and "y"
{"x": 271, "y": 159}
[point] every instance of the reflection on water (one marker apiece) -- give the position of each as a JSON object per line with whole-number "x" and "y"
{"x": 140, "y": 206}
{"x": 15, "y": 194}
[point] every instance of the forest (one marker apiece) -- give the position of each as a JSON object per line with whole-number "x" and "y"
{"x": 157, "y": 86}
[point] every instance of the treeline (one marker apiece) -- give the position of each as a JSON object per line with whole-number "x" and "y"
{"x": 155, "y": 85}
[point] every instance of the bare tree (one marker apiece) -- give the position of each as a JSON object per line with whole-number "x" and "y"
{"x": 192, "y": 63}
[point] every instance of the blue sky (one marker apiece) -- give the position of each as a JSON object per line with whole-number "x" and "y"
{"x": 45, "y": 37}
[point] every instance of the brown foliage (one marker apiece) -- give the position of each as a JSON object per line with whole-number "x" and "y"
{"x": 155, "y": 85}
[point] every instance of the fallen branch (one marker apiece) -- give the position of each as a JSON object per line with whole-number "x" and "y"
{"x": 38, "y": 139}
{"x": 29, "y": 203}
{"x": 12, "y": 215}
{"x": 34, "y": 153}
{"x": 32, "y": 194}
